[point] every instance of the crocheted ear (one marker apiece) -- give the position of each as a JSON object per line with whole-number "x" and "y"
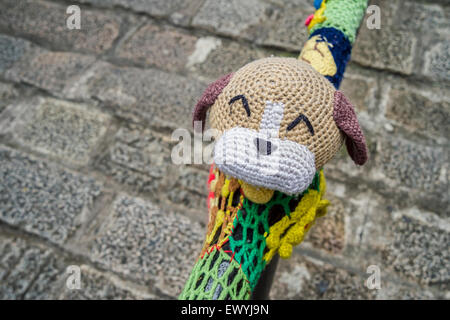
{"x": 208, "y": 98}
{"x": 345, "y": 117}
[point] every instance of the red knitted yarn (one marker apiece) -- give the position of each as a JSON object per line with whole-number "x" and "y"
{"x": 208, "y": 98}
{"x": 345, "y": 117}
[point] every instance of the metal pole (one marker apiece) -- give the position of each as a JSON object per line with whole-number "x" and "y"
{"x": 262, "y": 289}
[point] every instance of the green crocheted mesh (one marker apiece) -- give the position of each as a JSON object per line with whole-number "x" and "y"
{"x": 344, "y": 15}
{"x": 232, "y": 276}
{"x": 216, "y": 277}
{"x": 247, "y": 240}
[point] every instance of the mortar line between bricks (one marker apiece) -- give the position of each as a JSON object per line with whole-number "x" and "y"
{"x": 120, "y": 40}
{"x": 72, "y": 257}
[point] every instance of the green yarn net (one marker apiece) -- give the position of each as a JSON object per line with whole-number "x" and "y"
{"x": 233, "y": 271}
{"x": 343, "y": 15}
{"x": 248, "y": 241}
{"x": 216, "y": 277}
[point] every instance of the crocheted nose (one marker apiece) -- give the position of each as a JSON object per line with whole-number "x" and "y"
{"x": 264, "y": 147}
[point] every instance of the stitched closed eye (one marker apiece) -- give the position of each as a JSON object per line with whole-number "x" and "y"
{"x": 299, "y": 119}
{"x": 244, "y": 103}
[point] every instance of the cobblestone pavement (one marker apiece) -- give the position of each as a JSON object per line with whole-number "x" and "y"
{"x": 85, "y": 141}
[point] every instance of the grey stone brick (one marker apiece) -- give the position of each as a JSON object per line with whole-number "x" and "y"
{"x": 193, "y": 179}
{"x": 148, "y": 96}
{"x": 100, "y": 286}
{"x": 414, "y": 165}
{"x": 386, "y": 48}
{"x": 395, "y": 291}
{"x": 46, "y": 22}
{"x": 359, "y": 90}
{"x": 44, "y": 200}
{"x": 138, "y": 158}
{"x": 186, "y": 200}
{"x": 187, "y": 190}
{"x": 418, "y": 113}
{"x": 214, "y": 57}
{"x": 180, "y": 11}
{"x": 308, "y": 279}
{"x": 48, "y": 281}
{"x": 163, "y": 47}
{"x": 52, "y": 71}
{"x": 230, "y": 17}
{"x": 420, "y": 252}
{"x": 31, "y": 271}
{"x": 11, "y": 50}
{"x": 422, "y": 17}
{"x": 59, "y": 128}
{"x": 285, "y": 26}
{"x": 38, "y": 273}
{"x": 437, "y": 61}
{"x": 146, "y": 243}
{"x": 10, "y": 253}
{"x": 7, "y": 94}
{"x": 328, "y": 232}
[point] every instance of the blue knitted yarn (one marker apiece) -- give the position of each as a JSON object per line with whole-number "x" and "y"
{"x": 341, "y": 51}
{"x": 317, "y": 4}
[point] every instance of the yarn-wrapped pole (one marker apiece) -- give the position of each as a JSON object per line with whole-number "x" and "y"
{"x": 333, "y": 29}
{"x": 250, "y": 226}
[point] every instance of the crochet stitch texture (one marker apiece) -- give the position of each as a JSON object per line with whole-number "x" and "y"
{"x": 344, "y": 16}
{"x": 292, "y": 82}
{"x": 243, "y": 236}
{"x": 263, "y": 111}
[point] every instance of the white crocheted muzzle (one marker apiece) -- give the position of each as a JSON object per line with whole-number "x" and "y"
{"x": 261, "y": 159}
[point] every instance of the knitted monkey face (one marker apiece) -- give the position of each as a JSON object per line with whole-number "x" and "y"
{"x": 280, "y": 121}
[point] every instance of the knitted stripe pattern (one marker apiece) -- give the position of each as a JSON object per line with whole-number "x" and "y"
{"x": 343, "y": 15}
{"x": 334, "y": 23}
{"x": 328, "y": 51}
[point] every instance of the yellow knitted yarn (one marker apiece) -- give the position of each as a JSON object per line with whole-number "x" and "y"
{"x": 217, "y": 224}
{"x": 318, "y": 15}
{"x": 290, "y": 231}
{"x": 225, "y": 189}
{"x": 257, "y": 195}
{"x": 317, "y": 53}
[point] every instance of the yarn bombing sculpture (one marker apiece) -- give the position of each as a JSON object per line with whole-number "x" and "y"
{"x": 280, "y": 121}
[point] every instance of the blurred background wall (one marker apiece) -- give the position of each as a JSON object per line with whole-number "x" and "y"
{"x": 86, "y": 118}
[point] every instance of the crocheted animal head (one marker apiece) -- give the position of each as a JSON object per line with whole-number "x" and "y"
{"x": 280, "y": 121}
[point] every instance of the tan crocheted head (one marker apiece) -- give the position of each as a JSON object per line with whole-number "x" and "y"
{"x": 280, "y": 121}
